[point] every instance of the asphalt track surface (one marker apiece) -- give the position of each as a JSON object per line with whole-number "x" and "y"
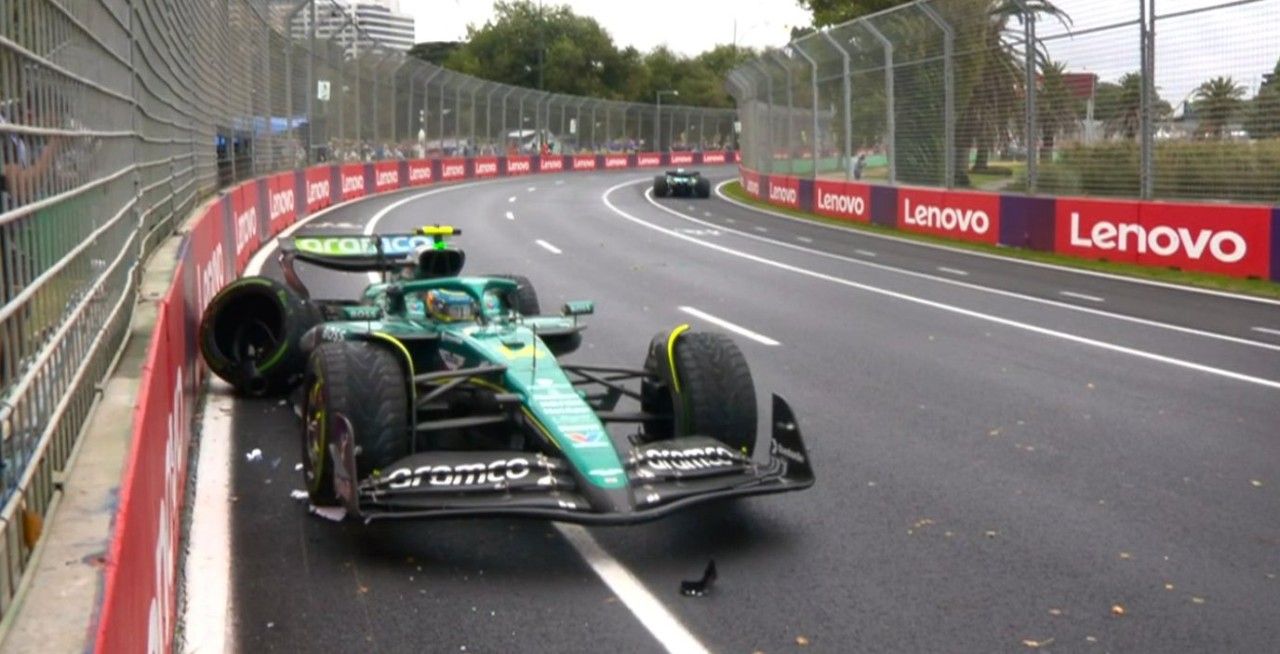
{"x": 993, "y": 467}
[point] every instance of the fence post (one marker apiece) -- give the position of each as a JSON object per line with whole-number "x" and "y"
{"x": 768, "y": 81}
{"x": 813, "y": 84}
{"x": 782, "y": 62}
{"x": 848, "y": 102}
{"x": 949, "y": 92}
{"x": 1032, "y": 136}
{"x": 891, "y": 127}
{"x": 1146, "y": 121}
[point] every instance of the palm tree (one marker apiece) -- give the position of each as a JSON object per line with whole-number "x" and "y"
{"x": 1217, "y": 101}
{"x": 1056, "y": 109}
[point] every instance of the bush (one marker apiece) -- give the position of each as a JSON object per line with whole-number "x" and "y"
{"x": 1198, "y": 170}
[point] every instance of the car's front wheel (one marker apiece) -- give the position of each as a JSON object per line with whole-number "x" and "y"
{"x": 699, "y": 384}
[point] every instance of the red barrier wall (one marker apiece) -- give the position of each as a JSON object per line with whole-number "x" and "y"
{"x": 612, "y": 161}
{"x": 281, "y": 201}
{"x": 352, "y": 181}
{"x": 419, "y": 172}
{"x": 485, "y": 166}
{"x": 952, "y": 214}
{"x": 844, "y": 200}
{"x": 319, "y": 193}
{"x": 386, "y": 176}
{"x": 453, "y": 168}
{"x": 647, "y": 159}
{"x": 584, "y": 162}
{"x": 519, "y": 165}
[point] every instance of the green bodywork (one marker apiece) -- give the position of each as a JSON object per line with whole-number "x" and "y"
{"x": 395, "y": 315}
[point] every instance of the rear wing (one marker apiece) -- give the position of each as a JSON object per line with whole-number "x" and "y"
{"x": 354, "y": 252}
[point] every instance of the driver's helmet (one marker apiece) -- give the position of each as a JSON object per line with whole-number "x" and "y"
{"x": 449, "y": 306}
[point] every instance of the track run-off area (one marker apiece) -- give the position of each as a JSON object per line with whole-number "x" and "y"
{"x": 1006, "y": 453}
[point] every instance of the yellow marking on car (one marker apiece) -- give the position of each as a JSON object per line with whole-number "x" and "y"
{"x": 671, "y": 354}
{"x": 408, "y": 359}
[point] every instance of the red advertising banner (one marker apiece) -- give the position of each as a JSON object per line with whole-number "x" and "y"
{"x": 713, "y": 157}
{"x": 386, "y": 176}
{"x": 737, "y": 157}
{"x": 681, "y": 158}
{"x": 140, "y": 596}
{"x": 485, "y": 166}
{"x": 612, "y": 161}
{"x": 419, "y": 172}
{"x": 453, "y": 168}
{"x": 519, "y": 164}
{"x": 549, "y": 163}
{"x": 952, "y": 214}
{"x": 208, "y": 256}
{"x": 1229, "y": 240}
{"x": 750, "y": 182}
{"x": 584, "y": 162}
{"x": 280, "y": 201}
{"x": 319, "y": 194}
{"x": 244, "y": 220}
{"x": 844, "y": 200}
{"x": 784, "y": 191}
{"x": 352, "y": 181}
{"x": 646, "y": 159}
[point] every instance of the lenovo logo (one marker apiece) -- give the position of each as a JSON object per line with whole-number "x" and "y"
{"x": 551, "y": 163}
{"x": 453, "y": 171}
{"x": 615, "y": 161}
{"x": 648, "y": 160}
{"x": 712, "y": 157}
{"x": 419, "y": 173}
{"x": 584, "y": 163}
{"x": 486, "y": 168}
{"x": 681, "y": 158}
{"x": 518, "y": 166}
{"x": 387, "y": 178}
{"x": 1225, "y": 245}
{"x": 946, "y": 218}
{"x": 753, "y": 187}
{"x": 842, "y": 203}
{"x": 352, "y": 184}
{"x": 246, "y": 228}
{"x": 783, "y": 194}
{"x": 210, "y": 278}
{"x": 281, "y": 203}
{"x": 317, "y": 191}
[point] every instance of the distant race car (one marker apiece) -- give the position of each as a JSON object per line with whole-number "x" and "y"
{"x": 681, "y": 182}
{"x": 435, "y": 395}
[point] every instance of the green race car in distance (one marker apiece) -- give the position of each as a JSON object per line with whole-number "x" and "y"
{"x": 681, "y": 183}
{"x": 438, "y": 395}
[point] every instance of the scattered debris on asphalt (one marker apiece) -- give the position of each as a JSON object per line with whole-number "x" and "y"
{"x": 702, "y": 586}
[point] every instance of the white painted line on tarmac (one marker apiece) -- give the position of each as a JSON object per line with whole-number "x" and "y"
{"x": 973, "y": 253}
{"x": 1081, "y": 296}
{"x": 972, "y": 286}
{"x": 1044, "y": 331}
{"x": 1267, "y": 330}
{"x": 207, "y": 571}
{"x": 731, "y": 221}
{"x": 511, "y": 199}
{"x": 548, "y": 247}
{"x": 804, "y": 239}
{"x": 737, "y": 329}
{"x": 531, "y": 189}
{"x": 866, "y": 253}
{"x": 559, "y": 182}
{"x": 706, "y": 214}
{"x": 953, "y": 271}
{"x": 762, "y": 230}
{"x": 510, "y": 216}
{"x": 652, "y": 614}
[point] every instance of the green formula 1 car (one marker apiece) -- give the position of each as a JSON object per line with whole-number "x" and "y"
{"x": 439, "y": 395}
{"x": 681, "y": 183}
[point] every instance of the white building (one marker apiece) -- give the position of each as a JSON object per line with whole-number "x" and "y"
{"x": 380, "y": 22}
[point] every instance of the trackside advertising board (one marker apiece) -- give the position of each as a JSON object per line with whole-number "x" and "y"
{"x": 612, "y": 161}
{"x": 1226, "y": 239}
{"x": 386, "y": 176}
{"x": 519, "y": 164}
{"x": 715, "y": 157}
{"x": 485, "y": 166}
{"x": 419, "y": 172}
{"x": 648, "y": 159}
{"x": 584, "y": 162}
{"x": 453, "y": 168}
{"x": 319, "y": 188}
{"x": 680, "y": 158}
{"x": 281, "y": 205}
{"x": 351, "y": 179}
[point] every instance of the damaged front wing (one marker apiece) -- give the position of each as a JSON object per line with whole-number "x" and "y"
{"x": 663, "y": 477}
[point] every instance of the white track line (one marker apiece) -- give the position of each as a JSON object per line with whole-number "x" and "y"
{"x": 866, "y": 253}
{"x": 1103, "y": 345}
{"x": 953, "y": 271}
{"x": 737, "y": 329}
{"x": 511, "y": 216}
{"x": 206, "y": 617}
{"x": 511, "y": 199}
{"x": 972, "y": 286}
{"x": 652, "y": 614}
{"x": 1022, "y": 262}
{"x": 1265, "y": 330}
{"x": 548, "y": 247}
{"x": 531, "y": 189}
{"x": 804, "y": 239}
{"x": 1081, "y": 296}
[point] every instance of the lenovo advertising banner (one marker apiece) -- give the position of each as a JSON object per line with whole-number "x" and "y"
{"x": 1224, "y": 239}
{"x": 550, "y": 163}
{"x": 244, "y": 221}
{"x": 612, "y": 161}
{"x": 784, "y": 191}
{"x": 648, "y": 159}
{"x": 386, "y": 176}
{"x": 951, "y": 214}
{"x": 351, "y": 180}
{"x": 584, "y": 162}
{"x": 319, "y": 188}
{"x": 281, "y": 207}
{"x": 453, "y": 169}
{"x": 519, "y": 164}
{"x": 680, "y": 158}
{"x": 419, "y": 172}
{"x": 716, "y": 157}
{"x": 843, "y": 200}
{"x": 485, "y": 166}
{"x": 750, "y": 182}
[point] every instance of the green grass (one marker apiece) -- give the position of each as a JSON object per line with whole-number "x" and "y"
{"x": 1257, "y": 287}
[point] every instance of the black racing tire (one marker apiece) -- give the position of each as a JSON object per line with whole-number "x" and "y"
{"x": 251, "y": 335}
{"x": 660, "y": 187}
{"x": 703, "y": 188}
{"x": 710, "y": 392}
{"x": 525, "y": 299}
{"x": 366, "y": 383}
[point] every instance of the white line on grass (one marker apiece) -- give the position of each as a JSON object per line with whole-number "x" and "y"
{"x": 737, "y": 329}
{"x": 1103, "y": 345}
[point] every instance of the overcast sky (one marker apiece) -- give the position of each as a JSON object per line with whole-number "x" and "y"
{"x": 1242, "y": 42}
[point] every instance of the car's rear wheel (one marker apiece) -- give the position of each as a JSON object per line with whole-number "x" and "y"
{"x": 700, "y": 384}
{"x": 366, "y": 384}
{"x": 525, "y": 299}
{"x": 660, "y": 187}
{"x": 703, "y": 187}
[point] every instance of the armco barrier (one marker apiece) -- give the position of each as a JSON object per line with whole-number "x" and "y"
{"x": 138, "y": 605}
{"x": 1234, "y": 240}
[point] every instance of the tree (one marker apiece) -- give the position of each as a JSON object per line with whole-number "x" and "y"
{"x": 1056, "y": 109}
{"x": 1217, "y": 101}
{"x": 1262, "y": 119}
{"x": 1119, "y": 106}
{"x": 833, "y": 12}
{"x": 435, "y": 52}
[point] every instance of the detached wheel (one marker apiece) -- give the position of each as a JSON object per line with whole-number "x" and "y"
{"x": 251, "y": 333}
{"x": 366, "y": 383}
{"x": 660, "y": 187}
{"x": 701, "y": 380}
{"x": 703, "y": 188}
{"x": 525, "y": 299}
